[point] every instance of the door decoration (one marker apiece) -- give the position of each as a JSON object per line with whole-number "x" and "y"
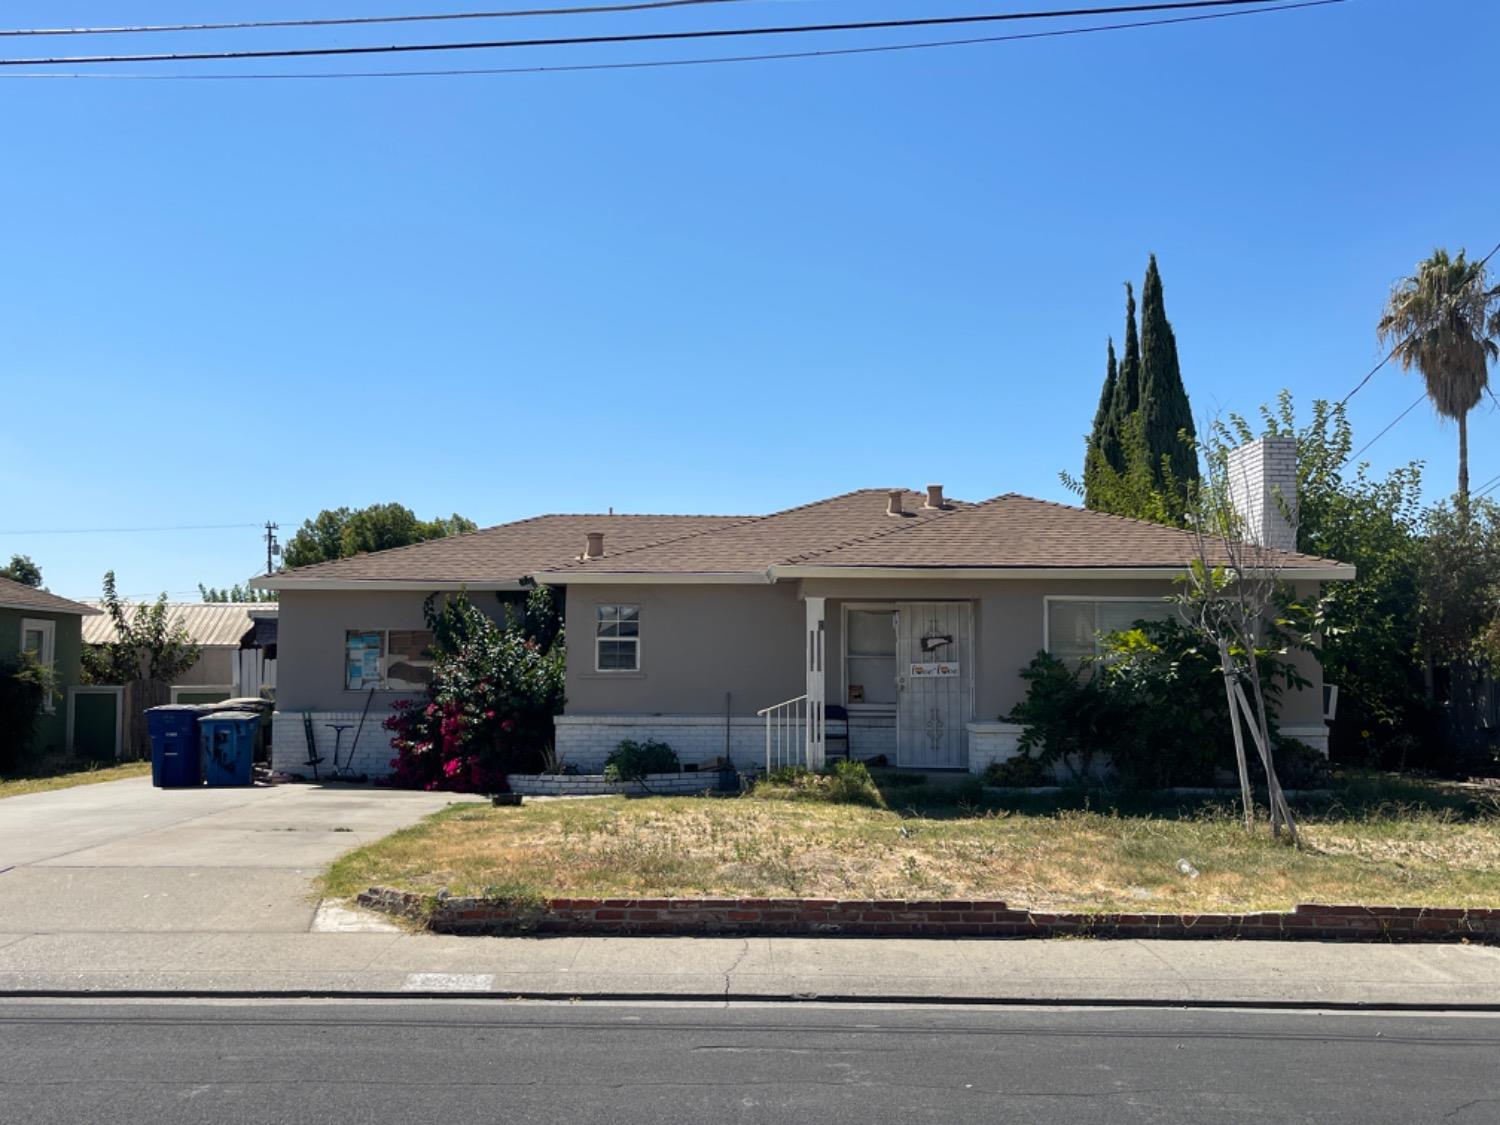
{"x": 939, "y": 668}
{"x": 935, "y": 728}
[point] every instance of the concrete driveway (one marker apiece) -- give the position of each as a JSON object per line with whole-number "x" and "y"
{"x": 123, "y": 857}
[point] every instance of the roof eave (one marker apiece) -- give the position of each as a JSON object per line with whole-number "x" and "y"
{"x": 76, "y": 610}
{"x": 1332, "y": 572}
{"x": 651, "y": 578}
{"x": 409, "y": 585}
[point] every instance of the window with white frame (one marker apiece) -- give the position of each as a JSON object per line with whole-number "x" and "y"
{"x": 387, "y": 659}
{"x": 870, "y": 657}
{"x": 39, "y": 641}
{"x": 1074, "y": 625}
{"x": 617, "y": 638}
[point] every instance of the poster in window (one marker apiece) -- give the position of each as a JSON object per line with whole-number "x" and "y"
{"x": 363, "y": 661}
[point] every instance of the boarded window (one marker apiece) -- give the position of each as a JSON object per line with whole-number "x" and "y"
{"x": 388, "y": 659}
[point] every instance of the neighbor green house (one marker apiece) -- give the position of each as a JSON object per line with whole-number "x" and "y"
{"x": 50, "y": 628}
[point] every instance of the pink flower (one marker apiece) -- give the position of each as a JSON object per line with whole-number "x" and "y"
{"x": 452, "y": 767}
{"x": 489, "y": 714}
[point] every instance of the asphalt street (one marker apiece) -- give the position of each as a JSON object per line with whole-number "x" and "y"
{"x": 445, "y": 1061}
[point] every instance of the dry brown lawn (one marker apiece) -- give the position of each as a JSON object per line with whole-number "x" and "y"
{"x": 78, "y": 775}
{"x": 1078, "y": 860}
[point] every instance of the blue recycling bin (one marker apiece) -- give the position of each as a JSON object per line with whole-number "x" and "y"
{"x": 175, "y": 753}
{"x": 228, "y": 741}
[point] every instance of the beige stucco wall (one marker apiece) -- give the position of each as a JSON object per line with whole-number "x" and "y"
{"x": 310, "y": 642}
{"x": 697, "y": 643}
{"x": 215, "y": 666}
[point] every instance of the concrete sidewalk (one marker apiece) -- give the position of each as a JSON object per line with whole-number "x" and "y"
{"x": 1174, "y": 972}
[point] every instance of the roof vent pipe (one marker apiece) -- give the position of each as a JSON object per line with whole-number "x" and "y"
{"x": 595, "y": 546}
{"x": 934, "y": 496}
{"x": 893, "y": 505}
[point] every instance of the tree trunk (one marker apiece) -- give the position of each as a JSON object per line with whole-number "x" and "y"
{"x": 1463, "y": 464}
{"x": 1246, "y": 797}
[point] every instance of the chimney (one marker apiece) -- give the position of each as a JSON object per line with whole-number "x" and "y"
{"x": 595, "y": 546}
{"x": 934, "y": 496}
{"x": 1263, "y": 491}
{"x": 893, "y": 505}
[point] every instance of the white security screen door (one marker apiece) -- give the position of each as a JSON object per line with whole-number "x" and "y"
{"x": 934, "y": 673}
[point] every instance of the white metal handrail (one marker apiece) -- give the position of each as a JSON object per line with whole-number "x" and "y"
{"x": 786, "y": 733}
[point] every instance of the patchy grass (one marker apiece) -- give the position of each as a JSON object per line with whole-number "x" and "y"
{"x": 68, "y": 775}
{"x": 1433, "y": 847}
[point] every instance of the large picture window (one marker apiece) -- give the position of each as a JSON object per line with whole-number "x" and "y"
{"x": 1074, "y": 625}
{"x": 617, "y": 638}
{"x": 387, "y": 659}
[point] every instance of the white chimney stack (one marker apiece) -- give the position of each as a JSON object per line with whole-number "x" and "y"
{"x": 934, "y": 496}
{"x": 595, "y": 545}
{"x": 1263, "y": 491}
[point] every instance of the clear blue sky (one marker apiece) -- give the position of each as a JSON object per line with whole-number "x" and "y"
{"x": 703, "y": 289}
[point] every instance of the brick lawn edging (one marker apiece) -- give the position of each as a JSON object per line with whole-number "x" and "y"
{"x": 809, "y": 917}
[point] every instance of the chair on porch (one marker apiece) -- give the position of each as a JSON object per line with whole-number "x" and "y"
{"x": 835, "y": 745}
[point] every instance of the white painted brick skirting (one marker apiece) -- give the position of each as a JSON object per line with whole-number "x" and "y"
{"x": 586, "y": 741}
{"x": 992, "y": 742}
{"x": 1315, "y": 735}
{"x": 289, "y": 743}
{"x": 590, "y": 784}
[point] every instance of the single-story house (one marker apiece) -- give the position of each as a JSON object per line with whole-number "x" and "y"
{"x": 237, "y": 641}
{"x": 50, "y": 629}
{"x": 909, "y": 613}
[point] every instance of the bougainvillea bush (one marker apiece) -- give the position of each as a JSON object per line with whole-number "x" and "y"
{"x": 488, "y": 711}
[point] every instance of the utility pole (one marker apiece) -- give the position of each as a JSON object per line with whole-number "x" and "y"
{"x": 272, "y": 547}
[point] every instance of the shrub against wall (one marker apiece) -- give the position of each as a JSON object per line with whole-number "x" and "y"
{"x": 24, "y": 687}
{"x": 1151, "y": 710}
{"x": 488, "y": 711}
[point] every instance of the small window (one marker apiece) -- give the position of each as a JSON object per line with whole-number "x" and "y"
{"x": 387, "y": 659}
{"x": 1074, "y": 625}
{"x": 870, "y": 657}
{"x": 39, "y": 641}
{"x": 617, "y": 638}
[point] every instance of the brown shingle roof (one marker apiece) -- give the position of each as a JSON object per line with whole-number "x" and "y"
{"x": 1013, "y": 531}
{"x": 506, "y": 553}
{"x": 751, "y": 545}
{"x": 18, "y": 595}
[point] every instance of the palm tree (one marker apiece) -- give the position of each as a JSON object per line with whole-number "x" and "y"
{"x": 1443, "y": 321}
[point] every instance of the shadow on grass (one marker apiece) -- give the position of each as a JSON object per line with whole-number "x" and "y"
{"x": 1349, "y": 794}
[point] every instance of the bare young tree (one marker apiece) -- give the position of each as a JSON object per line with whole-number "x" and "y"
{"x": 1232, "y": 596}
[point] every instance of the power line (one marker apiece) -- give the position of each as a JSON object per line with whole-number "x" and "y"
{"x": 634, "y": 37}
{"x": 350, "y": 21}
{"x": 1403, "y": 342}
{"x": 127, "y": 530}
{"x": 649, "y": 64}
{"x": 1420, "y": 398}
{"x": 1488, "y": 486}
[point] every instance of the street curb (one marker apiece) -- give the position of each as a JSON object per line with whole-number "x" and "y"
{"x": 1366, "y": 1006}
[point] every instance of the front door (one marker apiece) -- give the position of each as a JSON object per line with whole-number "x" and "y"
{"x": 934, "y": 671}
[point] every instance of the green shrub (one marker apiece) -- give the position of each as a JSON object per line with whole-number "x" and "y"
{"x": 24, "y": 687}
{"x": 632, "y": 760}
{"x": 847, "y": 783}
{"x": 1152, "y": 708}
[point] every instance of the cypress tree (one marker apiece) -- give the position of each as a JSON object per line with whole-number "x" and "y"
{"x": 1163, "y": 400}
{"x": 1128, "y": 382}
{"x": 1105, "y": 436}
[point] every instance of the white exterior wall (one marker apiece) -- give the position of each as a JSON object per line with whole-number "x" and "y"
{"x": 586, "y": 740}
{"x": 289, "y": 743}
